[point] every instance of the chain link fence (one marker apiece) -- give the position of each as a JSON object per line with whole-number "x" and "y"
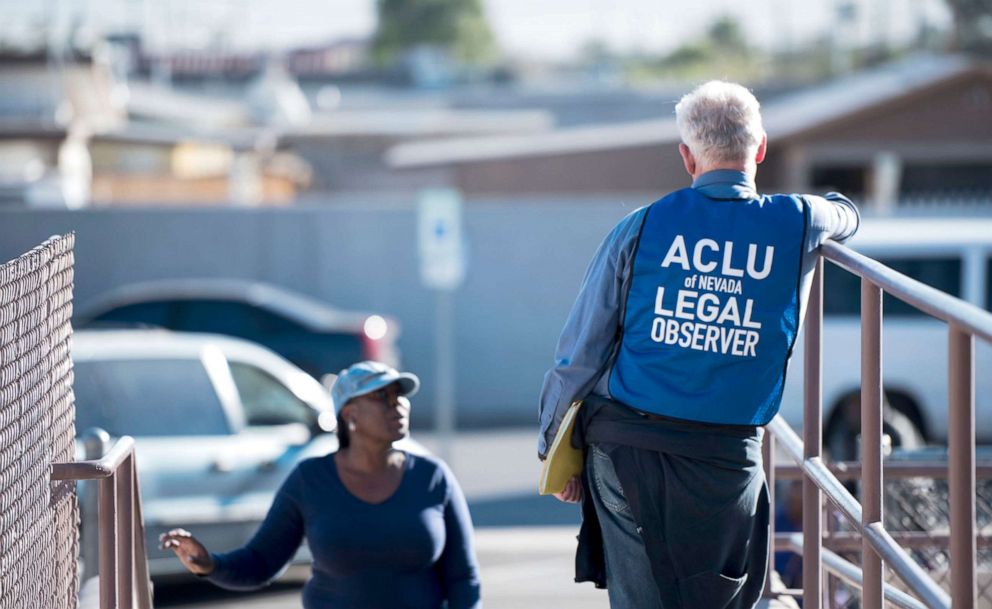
{"x": 39, "y": 542}
{"x": 911, "y": 505}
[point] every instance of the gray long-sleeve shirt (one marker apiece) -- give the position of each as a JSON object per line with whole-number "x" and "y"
{"x": 589, "y": 338}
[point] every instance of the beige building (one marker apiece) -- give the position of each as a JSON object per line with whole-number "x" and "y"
{"x": 73, "y": 135}
{"x": 164, "y": 167}
{"x": 47, "y": 112}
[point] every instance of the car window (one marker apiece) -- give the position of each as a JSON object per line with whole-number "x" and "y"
{"x": 266, "y": 400}
{"x": 149, "y": 313}
{"x": 228, "y": 317}
{"x": 155, "y": 397}
{"x": 842, "y": 290}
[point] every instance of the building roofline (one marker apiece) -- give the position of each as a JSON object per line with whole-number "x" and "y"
{"x": 852, "y": 96}
{"x": 565, "y": 141}
{"x": 343, "y": 123}
{"x": 786, "y": 117}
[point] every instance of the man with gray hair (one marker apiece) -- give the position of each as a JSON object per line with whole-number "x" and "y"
{"x": 678, "y": 346}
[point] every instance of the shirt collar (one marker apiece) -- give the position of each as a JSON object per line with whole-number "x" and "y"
{"x": 726, "y": 184}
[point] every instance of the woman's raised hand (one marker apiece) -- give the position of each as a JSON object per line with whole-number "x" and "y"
{"x": 190, "y": 551}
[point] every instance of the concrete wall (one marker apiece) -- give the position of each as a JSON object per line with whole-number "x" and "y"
{"x": 526, "y": 263}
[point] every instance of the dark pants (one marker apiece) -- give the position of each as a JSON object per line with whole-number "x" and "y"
{"x": 685, "y": 523}
{"x": 629, "y": 581}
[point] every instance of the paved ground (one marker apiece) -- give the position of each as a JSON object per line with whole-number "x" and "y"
{"x": 522, "y": 568}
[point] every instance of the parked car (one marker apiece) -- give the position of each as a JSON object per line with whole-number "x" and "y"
{"x": 318, "y": 338}
{"x": 952, "y": 255}
{"x": 218, "y": 424}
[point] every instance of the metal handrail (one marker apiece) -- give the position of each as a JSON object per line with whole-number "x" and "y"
{"x": 122, "y": 553}
{"x": 965, "y": 323}
{"x": 852, "y": 574}
{"x": 928, "y": 299}
{"x": 819, "y": 474}
{"x": 851, "y": 470}
{"x": 97, "y": 469}
{"x": 849, "y": 541}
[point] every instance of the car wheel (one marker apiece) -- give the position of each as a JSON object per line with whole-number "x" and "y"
{"x": 842, "y": 436}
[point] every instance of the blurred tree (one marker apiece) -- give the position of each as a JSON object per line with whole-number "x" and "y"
{"x": 596, "y": 50}
{"x": 690, "y": 54}
{"x": 972, "y": 25}
{"x": 458, "y": 27}
{"x": 723, "y": 45}
{"x": 726, "y": 35}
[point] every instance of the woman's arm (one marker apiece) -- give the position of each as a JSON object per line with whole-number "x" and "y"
{"x": 458, "y": 566}
{"x": 272, "y": 546}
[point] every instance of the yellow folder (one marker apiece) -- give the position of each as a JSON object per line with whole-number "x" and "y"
{"x": 563, "y": 461}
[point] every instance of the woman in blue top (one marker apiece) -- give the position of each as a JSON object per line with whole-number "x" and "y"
{"x": 387, "y": 529}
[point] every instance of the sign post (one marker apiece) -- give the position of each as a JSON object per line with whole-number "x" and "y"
{"x": 442, "y": 268}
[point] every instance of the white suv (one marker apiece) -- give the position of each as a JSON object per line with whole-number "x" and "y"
{"x": 953, "y": 255}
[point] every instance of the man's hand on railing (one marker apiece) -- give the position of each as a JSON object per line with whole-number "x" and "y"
{"x": 190, "y": 551}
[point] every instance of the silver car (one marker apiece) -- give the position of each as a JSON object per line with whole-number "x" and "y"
{"x": 218, "y": 424}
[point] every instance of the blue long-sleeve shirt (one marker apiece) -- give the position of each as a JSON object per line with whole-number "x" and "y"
{"x": 588, "y": 340}
{"x": 413, "y": 550}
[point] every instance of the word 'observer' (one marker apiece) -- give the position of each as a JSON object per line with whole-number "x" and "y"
{"x": 711, "y": 312}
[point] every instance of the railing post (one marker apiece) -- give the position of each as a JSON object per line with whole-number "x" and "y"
{"x": 96, "y": 443}
{"x": 108, "y": 549}
{"x": 141, "y": 560}
{"x": 828, "y": 585}
{"x": 768, "y": 458}
{"x": 961, "y": 463}
{"x": 871, "y": 437}
{"x": 813, "y": 444}
{"x": 125, "y": 533}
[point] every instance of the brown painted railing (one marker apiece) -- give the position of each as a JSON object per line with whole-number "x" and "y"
{"x": 877, "y": 545}
{"x": 123, "y": 564}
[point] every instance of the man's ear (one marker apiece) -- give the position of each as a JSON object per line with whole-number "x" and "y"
{"x": 762, "y": 149}
{"x": 687, "y": 159}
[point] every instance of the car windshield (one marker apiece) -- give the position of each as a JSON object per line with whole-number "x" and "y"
{"x": 157, "y": 397}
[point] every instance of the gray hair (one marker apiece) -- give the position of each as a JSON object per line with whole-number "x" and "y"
{"x": 720, "y": 122}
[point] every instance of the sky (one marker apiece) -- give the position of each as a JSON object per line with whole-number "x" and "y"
{"x": 534, "y": 29}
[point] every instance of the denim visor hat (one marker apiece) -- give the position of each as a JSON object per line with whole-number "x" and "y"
{"x": 368, "y": 376}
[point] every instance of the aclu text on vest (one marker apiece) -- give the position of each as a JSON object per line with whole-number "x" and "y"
{"x": 707, "y": 313}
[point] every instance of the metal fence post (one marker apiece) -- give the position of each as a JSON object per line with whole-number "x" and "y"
{"x": 768, "y": 458}
{"x": 123, "y": 560}
{"x": 95, "y": 442}
{"x": 108, "y": 549}
{"x": 123, "y": 479}
{"x": 961, "y": 464}
{"x": 141, "y": 552}
{"x": 871, "y": 437}
{"x": 813, "y": 444}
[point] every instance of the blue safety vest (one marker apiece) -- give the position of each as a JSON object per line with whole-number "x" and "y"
{"x": 712, "y": 310}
